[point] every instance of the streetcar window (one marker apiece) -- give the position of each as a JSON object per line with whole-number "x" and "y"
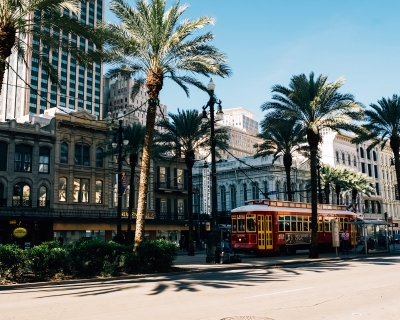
{"x": 294, "y": 226}
{"x": 287, "y": 223}
{"x": 299, "y": 223}
{"x": 251, "y": 222}
{"x": 234, "y": 224}
{"x": 343, "y": 223}
{"x": 320, "y": 224}
{"x": 306, "y": 223}
{"x": 241, "y": 222}
{"x": 327, "y": 224}
{"x": 281, "y": 223}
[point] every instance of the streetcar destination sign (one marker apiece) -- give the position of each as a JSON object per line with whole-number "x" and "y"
{"x": 297, "y": 238}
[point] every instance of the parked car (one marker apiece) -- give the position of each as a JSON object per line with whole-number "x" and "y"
{"x": 396, "y": 238}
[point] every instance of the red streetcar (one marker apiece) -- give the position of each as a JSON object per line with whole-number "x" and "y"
{"x": 277, "y": 227}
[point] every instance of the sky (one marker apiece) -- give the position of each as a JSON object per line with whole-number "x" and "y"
{"x": 269, "y": 41}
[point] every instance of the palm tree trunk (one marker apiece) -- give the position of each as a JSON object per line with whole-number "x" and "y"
{"x": 7, "y": 41}
{"x": 395, "y": 145}
{"x": 313, "y": 141}
{"x": 132, "y": 162}
{"x": 154, "y": 83}
{"x": 337, "y": 190}
{"x": 287, "y": 162}
{"x": 189, "y": 159}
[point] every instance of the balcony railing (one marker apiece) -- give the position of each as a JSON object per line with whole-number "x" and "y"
{"x": 43, "y": 203}
{"x": 47, "y": 213}
{"x": 170, "y": 186}
{"x": 22, "y": 202}
{"x": 171, "y": 215}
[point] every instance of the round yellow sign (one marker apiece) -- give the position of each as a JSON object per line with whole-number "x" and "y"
{"x": 20, "y": 232}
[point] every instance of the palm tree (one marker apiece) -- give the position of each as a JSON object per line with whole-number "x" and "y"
{"x": 134, "y": 133}
{"x": 153, "y": 45}
{"x": 23, "y": 19}
{"x": 185, "y": 133}
{"x": 359, "y": 182}
{"x": 316, "y": 104}
{"x": 382, "y": 125}
{"x": 282, "y": 139}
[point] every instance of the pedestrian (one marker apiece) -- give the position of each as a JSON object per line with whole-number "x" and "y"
{"x": 345, "y": 241}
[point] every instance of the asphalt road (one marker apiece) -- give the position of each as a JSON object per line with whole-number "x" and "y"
{"x": 367, "y": 288}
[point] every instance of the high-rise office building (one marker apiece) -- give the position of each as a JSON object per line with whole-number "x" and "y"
{"x": 80, "y": 87}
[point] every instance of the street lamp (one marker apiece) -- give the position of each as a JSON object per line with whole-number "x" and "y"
{"x": 119, "y": 143}
{"x": 213, "y": 239}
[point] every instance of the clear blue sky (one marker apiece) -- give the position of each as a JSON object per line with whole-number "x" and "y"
{"x": 269, "y": 41}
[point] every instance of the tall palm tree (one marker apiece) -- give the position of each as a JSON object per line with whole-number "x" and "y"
{"x": 134, "y": 133}
{"x": 316, "y": 104}
{"x": 282, "y": 139}
{"x": 152, "y": 44}
{"x": 382, "y": 125}
{"x": 185, "y": 134}
{"x": 20, "y": 20}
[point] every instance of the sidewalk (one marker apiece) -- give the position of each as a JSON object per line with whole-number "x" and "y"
{"x": 198, "y": 261}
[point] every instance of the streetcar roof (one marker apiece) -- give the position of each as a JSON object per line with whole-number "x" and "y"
{"x": 261, "y": 208}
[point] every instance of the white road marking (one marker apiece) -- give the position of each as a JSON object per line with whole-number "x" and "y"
{"x": 270, "y": 294}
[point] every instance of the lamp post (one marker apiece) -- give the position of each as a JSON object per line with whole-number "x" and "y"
{"x": 118, "y": 143}
{"x": 213, "y": 239}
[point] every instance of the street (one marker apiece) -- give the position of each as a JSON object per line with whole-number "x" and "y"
{"x": 361, "y": 288}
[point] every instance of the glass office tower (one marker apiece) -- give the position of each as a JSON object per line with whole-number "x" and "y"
{"x": 80, "y": 87}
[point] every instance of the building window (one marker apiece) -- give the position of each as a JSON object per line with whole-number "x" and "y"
{"x": 23, "y": 159}
{"x": 368, "y": 154}
{"x": 266, "y": 190}
{"x": 162, "y": 174}
{"x": 64, "y": 153}
{"x": 99, "y": 192}
{"x": 348, "y": 160}
{"x": 180, "y": 206}
{"x": 82, "y": 154}
{"x": 4, "y": 153}
{"x": 223, "y": 199}
{"x": 277, "y": 187}
{"x": 255, "y": 191}
{"x": 343, "y": 159}
{"x": 233, "y": 197}
{"x": 62, "y": 190}
{"x": 361, "y": 152}
{"x": 369, "y": 170}
{"x": 42, "y": 197}
{"x": 99, "y": 158}
{"x": 179, "y": 178}
{"x": 377, "y": 189}
{"x": 362, "y": 167}
{"x": 374, "y": 155}
{"x": 244, "y": 192}
{"x": 355, "y": 161}
{"x": 376, "y": 171}
{"x": 81, "y": 190}
{"x": 44, "y": 160}
{"x": 22, "y": 195}
{"x": 337, "y": 156}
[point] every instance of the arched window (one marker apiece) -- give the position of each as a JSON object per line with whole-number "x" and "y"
{"x": 22, "y": 195}
{"x": 374, "y": 155}
{"x": 368, "y": 154}
{"x": 343, "y": 159}
{"x": 23, "y": 159}
{"x": 64, "y": 153}
{"x": 81, "y": 190}
{"x": 99, "y": 192}
{"x": 3, "y": 200}
{"x": 223, "y": 198}
{"x": 361, "y": 152}
{"x": 255, "y": 191}
{"x": 44, "y": 160}
{"x": 244, "y": 192}
{"x": 337, "y": 156}
{"x": 354, "y": 161}
{"x": 3, "y": 153}
{"x": 82, "y": 154}
{"x": 285, "y": 194}
{"x": 233, "y": 197}
{"x": 277, "y": 189}
{"x": 348, "y": 160}
{"x": 99, "y": 158}
{"x": 62, "y": 190}
{"x": 42, "y": 202}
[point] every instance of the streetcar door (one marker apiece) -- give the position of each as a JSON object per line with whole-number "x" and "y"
{"x": 261, "y": 231}
{"x": 268, "y": 232}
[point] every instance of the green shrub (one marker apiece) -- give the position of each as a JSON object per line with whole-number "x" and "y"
{"x": 48, "y": 259}
{"x": 12, "y": 263}
{"x": 95, "y": 257}
{"x": 156, "y": 255}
